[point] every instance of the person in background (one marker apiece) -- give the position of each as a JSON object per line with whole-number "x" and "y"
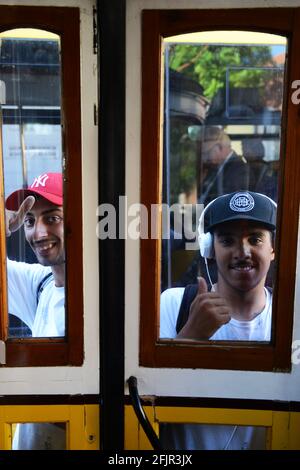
{"x": 222, "y": 170}
{"x": 263, "y": 174}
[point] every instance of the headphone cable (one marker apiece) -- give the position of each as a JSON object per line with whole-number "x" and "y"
{"x": 208, "y": 274}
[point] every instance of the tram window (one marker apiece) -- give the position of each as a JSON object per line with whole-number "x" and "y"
{"x": 234, "y": 147}
{"x": 38, "y": 436}
{"x": 224, "y": 114}
{"x": 40, "y": 129}
{"x": 191, "y": 436}
{"x": 32, "y": 158}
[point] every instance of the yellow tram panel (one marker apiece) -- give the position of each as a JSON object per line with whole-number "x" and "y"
{"x": 82, "y": 423}
{"x": 283, "y": 427}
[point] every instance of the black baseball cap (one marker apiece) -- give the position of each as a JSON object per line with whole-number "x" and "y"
{"x": 241, "y": 205}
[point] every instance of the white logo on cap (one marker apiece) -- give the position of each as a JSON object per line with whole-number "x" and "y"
{"x": 241, "y": 202}
{"x": 40, "y": 181}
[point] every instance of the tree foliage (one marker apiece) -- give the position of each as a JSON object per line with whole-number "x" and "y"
{"x": 207, "y": 64}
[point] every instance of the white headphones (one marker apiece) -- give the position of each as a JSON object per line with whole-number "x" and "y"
{"x": 205, "y": 240}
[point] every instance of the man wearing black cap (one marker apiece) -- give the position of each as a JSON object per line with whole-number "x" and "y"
{"x": 237, "y": 230}
{"x": 238, "y": 234}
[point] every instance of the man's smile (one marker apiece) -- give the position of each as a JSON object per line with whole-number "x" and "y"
{"x": 43, "y": 246}
{"x": 242, "y": 267}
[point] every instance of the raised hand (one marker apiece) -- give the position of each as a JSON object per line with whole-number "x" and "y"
{"x": 208, "y": 313}
{"x": 15, "y": 219}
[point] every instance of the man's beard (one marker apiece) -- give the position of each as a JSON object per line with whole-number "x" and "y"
{"x": 51, "y": 262}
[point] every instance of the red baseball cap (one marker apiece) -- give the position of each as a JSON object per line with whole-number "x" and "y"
{"x": 47, "y": 185}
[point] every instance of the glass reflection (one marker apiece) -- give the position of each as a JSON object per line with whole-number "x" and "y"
{"x": 180, "y": 436}
{"x": 222, "y": 118}
{"x": 30, "y": 70}
{"x": 39, "y": 436}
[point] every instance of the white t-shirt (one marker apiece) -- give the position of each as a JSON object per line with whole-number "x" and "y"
{"x": 45, "y": 318}
{"x": 204, "y": 436}
{"x": 258, "y": 329}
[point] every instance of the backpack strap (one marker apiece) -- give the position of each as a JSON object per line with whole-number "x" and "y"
{"x": 44, "y": 282}
{"x": 189, "y": 294}
{"x": 18, "y": 328}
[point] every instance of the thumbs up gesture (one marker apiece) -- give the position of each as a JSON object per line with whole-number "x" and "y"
{"x": 208, "y": 313}
{"x": 15, "y": 219}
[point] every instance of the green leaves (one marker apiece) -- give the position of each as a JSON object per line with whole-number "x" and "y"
{"x": 208, "y": 64}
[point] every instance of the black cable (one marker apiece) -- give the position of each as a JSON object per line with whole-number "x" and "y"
{"x": 141, "y": 416}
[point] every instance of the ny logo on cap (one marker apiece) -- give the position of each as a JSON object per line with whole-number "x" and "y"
{"x": 241, "y": 202}
{"x": 40, "y": 181}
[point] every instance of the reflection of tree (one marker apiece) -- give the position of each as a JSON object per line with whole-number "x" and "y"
{"x": 253, "y": 87}
{"x": 183, "y": 164}
{"x": 207, "y": 64}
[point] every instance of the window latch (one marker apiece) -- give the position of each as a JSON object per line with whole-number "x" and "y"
{"x": 2, "y": 352}
{"x": 95, "y": 31}
{"x": 2, "y": 92}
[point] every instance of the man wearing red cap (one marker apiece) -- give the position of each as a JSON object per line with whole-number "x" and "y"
{"x": 36, "y": 291}
{"x": 40, "y": 209}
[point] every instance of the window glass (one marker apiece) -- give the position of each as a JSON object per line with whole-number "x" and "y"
{"x": 39, "y": 436}
{"x": 180, "y": 436}
{"x": 30, "y": 74}
{"x": 222, "y": 128}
